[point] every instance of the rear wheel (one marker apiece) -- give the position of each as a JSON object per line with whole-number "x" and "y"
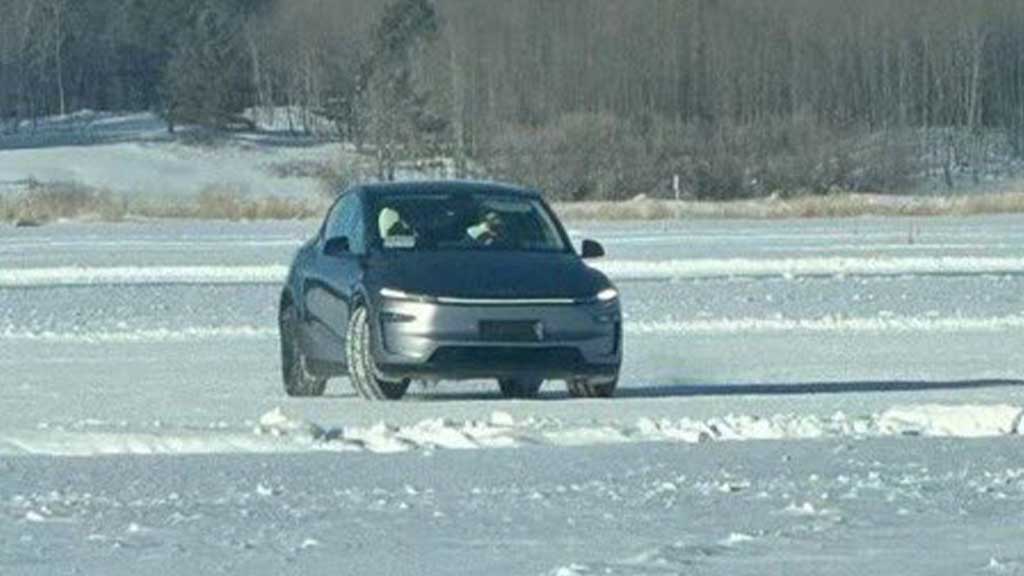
{"x": 362, "y": 368}
{"x": 585, "y": 388}
{"x": 298, "y": 381}
{"x": 521, "y": 387}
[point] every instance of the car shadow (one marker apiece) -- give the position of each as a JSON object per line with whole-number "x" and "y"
{"x": 810, "y": 388}
{"x": 553, "y": 392}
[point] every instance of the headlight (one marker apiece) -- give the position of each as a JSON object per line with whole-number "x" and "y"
{"x": 393, "y": 294}
{"x": 607, "y": 295}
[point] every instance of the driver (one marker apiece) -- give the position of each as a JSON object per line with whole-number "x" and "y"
{"x": 490, "y": 230}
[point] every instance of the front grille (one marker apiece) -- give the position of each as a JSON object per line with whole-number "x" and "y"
{"x": 512, "y": 331}
{"x": 557, "y": 357}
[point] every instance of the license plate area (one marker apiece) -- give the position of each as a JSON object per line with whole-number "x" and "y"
{"x": 512, "y": 331}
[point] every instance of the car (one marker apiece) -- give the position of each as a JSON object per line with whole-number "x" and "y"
{"x": 447, "y": 280}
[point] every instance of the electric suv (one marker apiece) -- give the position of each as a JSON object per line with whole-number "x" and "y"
{"x": 447, "y": 281}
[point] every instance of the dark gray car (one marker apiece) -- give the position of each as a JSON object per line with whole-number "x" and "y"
{"x": 447, "y": 281}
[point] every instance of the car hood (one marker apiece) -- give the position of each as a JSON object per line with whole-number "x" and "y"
{"x": 486, "y": 274}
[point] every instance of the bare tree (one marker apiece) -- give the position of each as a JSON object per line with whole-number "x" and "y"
{"x": 737, "y": 97}
{"x": 57, "y": 10}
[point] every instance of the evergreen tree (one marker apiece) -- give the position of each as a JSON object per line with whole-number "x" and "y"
{"x": 207, "y": 80}
{"x": 395, "y": 110}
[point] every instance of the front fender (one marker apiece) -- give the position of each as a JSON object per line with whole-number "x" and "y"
{"x": 294, "y": 282}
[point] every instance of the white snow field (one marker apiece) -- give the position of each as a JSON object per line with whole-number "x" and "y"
{"x": 799, "y": 397}
{"x": 133, "y": 154}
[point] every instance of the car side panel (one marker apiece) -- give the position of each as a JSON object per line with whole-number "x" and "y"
{"x": 296, "y": 292}
{"x": 328, "y": 284}
{"x": 328, "y": 291}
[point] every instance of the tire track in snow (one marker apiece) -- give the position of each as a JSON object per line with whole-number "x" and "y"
{"x": 143, "y": 336}
{"x": 705, "y": 327}
{"x": 836, "y": 324}
{"x": 145, "y": 275}
{"x": 811, "y": 266}
{"x": 617, "y": 269}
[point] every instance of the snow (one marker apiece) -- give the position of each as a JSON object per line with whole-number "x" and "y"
{"x": 212, "y": 333}
{"x": 798, "y": 397}
{"x": 288, "y": 119}
{"x": 143, "y": 275}
{"x": 277, "y": 432}
{"x": 801, "y": 508}
{"x": 959, "y": 421}
{"x": 794, "y": 267}
{"x": 615, "y": 269}
{"x": 134, "y": 154}
{"x": 878, "y": 324}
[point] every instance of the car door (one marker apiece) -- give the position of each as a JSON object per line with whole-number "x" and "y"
{"x": 330, "y": 285}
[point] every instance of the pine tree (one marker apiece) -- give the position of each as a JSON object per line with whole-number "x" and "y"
{"x": 207, "y": 81}
{"x": 396, "y": 112}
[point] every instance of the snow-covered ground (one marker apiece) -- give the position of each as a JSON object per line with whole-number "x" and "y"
{"x": 813, "y": 397}
{"x": 135, "y": 157}
{"x": 132, "y": 154}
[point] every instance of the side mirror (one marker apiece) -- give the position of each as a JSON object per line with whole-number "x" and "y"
{"x": 337, "y": 247}
{"x": 592, "y": 249}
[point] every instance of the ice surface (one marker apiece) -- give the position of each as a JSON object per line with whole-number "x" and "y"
{"x": 886, "y": 506}
{"x": 29, "y": 277}
{"x": 809, "y": 266}
{"x": 798, "y": 397}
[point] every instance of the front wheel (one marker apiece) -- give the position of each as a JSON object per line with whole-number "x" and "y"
{"x": 521, "y": 387}
{"x": 298, "y": 381}
{"x": 362, "y": 368}
{"x": 586, "y": 388}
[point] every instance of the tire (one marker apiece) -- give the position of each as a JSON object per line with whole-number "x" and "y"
{"x": 362, "y": 368}
{"x": 298, "y": 382}
{"x": 583, "y": 388}
{"x": 521, "y": 387}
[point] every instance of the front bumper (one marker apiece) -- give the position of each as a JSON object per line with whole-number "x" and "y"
{"x": 428, "y": 340}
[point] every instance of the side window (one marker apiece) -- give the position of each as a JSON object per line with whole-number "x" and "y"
{"x": 340, "y": 222}
{"x": 347, "y": 220}
{"x": 357, "y": 227}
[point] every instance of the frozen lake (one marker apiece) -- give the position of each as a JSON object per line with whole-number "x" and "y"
{"x": 774, "y": 371}
{"x": 165, "y": 312}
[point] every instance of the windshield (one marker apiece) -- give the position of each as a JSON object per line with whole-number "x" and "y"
{"x": 439, "y": 221}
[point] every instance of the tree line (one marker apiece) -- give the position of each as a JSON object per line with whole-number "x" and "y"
{"x": 585, "y": 98}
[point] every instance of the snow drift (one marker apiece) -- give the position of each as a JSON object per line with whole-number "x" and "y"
{"x": 277, "y": 432}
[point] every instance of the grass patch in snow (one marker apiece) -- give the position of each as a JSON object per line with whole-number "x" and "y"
{"x": 37, "y": 203}
{"x": 40, "y": 203}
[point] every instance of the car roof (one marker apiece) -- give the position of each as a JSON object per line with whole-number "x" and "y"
{"x": 448, "y": 186}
